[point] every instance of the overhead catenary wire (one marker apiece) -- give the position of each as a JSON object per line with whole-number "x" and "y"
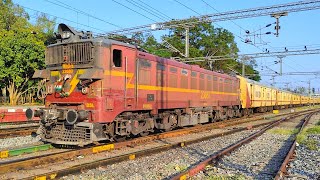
{"x": 219, "y": 25}
{"x": 234, "y": 23}
{"x": 156, "y": 10}
{"x": 187, "y": 7}
{"x": 134, "y": 10}
{"x": 66, "y": 6}
{"x": 61, "y": 18}
{"x": 219, "y": 12}
{"x": 138, "y": 5}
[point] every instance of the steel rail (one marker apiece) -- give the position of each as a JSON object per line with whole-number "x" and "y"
{"x": 17, "y": 131}
{"x": 196, "y": 168}
{"x": 283, "y": 168}
{"x": 19, "y": 122}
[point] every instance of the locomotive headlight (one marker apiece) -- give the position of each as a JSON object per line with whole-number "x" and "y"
{"x": 66, "y": 35}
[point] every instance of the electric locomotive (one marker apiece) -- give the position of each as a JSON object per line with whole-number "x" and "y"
{"x": 101, "y": 89}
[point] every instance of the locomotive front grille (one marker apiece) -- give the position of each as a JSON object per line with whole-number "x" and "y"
{"x": 75, "y": 53}
{"x": 69, "y": 134}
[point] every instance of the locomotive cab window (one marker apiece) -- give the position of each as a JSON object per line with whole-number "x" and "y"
{"x": 117, "y": 57}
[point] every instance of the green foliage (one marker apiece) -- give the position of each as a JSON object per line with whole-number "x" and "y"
{"x": 22, "y": 47}
{"x": 303, "y": 138}
{"x": 311, "y": 144}
{"x": 21, "y": 53}
{"x": 46, "y": 27}
{"x": 314, "y": 130}
{"x": 10, "y": 14}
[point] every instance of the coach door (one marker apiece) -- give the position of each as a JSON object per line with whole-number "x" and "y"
{"x": 122, "y": 73}
{"x": 161, "y": 77}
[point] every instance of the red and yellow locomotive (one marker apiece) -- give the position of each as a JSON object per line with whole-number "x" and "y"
{"x": 100, "y": 89}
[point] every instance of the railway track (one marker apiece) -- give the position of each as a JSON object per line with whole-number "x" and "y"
{"x": 290, "y": 154}
{"x": 215, "y": 158}
{"x": 20, "y": 151}
{"x": 62, "y": 156}
{"x": 18, "y": 123}
{"x": 17, "y": 131}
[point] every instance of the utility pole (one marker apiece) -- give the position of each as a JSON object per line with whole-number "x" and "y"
{"x": 287, "y": 85}
{"x": 187, "y": 42}
{"x": 243, "y": 68}
{"x": 280, "y": 61}
{"x": 309, "y": 82}
{"x": 273, "y": 80}
{"x": 309, "y": 90}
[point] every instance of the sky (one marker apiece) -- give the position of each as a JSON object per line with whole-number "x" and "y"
{"x": 298, "y": 29}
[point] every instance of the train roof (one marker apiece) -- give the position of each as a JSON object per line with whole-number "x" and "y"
{"x": 176, "y": 63}
{"x": 260, "y": 84}
{"x": 100, "y": 41}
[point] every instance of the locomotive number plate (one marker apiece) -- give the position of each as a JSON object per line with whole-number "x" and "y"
{"x": 67, "y": 68}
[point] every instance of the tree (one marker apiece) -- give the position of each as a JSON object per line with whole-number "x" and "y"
{"x": 10, "y": 14}
{"x": 21, "y": 51}
{"x": 46, "y": 27}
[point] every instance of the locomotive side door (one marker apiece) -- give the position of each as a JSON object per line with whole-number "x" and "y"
{"x": 161, "y": 82}
{"x": 123, "y": 73}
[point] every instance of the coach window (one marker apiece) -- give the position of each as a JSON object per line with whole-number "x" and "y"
{"x": 173, "y": 78}
{"x": 117, "y": 58}
{"x": 209, "y": 83}
{"x": 202, "y": 85}
{"x": 144, "y": 72}
{"x": 226, "y": 85}
{"x": 161, "y": 75}
{"x": 221, "y": 85}
{"x": 215, "y": 83}
{"x": 173, "y": 70}
{"x": 184, "y": 79}
{"x": 194, "y": 80}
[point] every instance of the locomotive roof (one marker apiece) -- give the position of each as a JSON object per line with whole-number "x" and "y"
{"x": 181, "y": 64}
{"x": 101, "y": 41}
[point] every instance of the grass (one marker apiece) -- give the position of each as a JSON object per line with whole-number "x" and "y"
{"x": 283, "y": 131}
{"x": 314, "y": 130}
{"x": 311, "y": 144}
